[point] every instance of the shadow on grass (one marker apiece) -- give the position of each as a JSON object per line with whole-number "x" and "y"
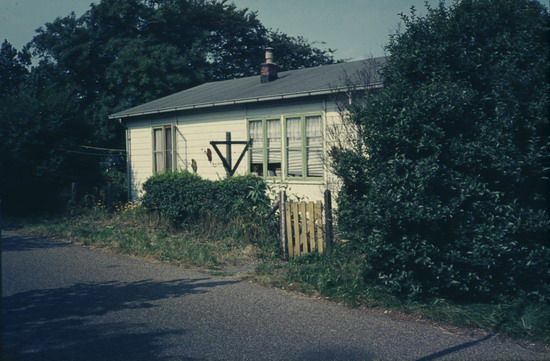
{"x": 65, "y": 323}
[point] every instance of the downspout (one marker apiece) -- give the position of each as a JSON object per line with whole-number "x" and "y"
{"x": 128, "y": 173}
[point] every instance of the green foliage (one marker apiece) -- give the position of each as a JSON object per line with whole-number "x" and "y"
{"x": 119, "y": 54}
{"x": 13, "y": 68}
{"x": 446, "y": 193}
{"x": 185, "y": 198}
{"x": 122, "y": 53}
{"x": 234, "y": 208}
{"x": 38, "y": 123}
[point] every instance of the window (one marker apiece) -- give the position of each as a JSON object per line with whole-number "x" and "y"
{"x": 301, "y": 156}
{"x": 163, "y": 149}
{"x": 265, "y": 149}
{"x": 304, "y": 146}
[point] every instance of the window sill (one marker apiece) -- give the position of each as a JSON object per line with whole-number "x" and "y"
{"x": 296, "y": 181}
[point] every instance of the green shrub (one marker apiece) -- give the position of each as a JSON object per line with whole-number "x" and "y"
{"x": 446, "y": 193}
{"x": 186, "y": 199}
{"x": 180, "y": 197}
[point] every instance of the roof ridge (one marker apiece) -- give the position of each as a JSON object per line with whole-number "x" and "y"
{"x": 291, "y": 83}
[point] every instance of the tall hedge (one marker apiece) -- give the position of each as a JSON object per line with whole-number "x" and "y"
{"x": 185, "y": 198}
{"x": 446, "y": 192}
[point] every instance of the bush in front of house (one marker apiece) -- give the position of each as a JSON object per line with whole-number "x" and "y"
{"x": 446, "y": 192}
{"x": 187, "y": 199}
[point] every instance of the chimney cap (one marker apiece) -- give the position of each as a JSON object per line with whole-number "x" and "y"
{"x": 268, "y": 70}
{"x": 269, "y": 55}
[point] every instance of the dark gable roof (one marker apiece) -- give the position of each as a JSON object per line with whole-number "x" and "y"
{"x": 290, "y": 84}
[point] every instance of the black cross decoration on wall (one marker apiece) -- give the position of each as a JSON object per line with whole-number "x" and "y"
{"x": 226, "y": 161}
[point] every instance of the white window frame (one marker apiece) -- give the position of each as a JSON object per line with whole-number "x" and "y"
{"x": 284, "y": 147}
{"x": 166, "y": 155}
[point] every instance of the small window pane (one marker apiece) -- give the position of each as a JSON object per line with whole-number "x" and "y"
{"x": 274, "y": 162}
{"x": 168, "y": 138}
{"x": 273, "y": 127}
{"x": 168, "y": 158}
{"x": 255, "y": 128}
{"x": 158, "y": 162}
{"x": 257, "y": 155}
{"x": 256, "y": 147}
{"x": 158, "y": 140}
{"x": 257, "y": 168}
{"x": 168, "y": 150}
{"x": 274, "y": 156}
{"x": 293, "y": 132}
{"x": 314, "y": 163}
{"x": 295, "y": 163}
{"x": 313, "y": 131}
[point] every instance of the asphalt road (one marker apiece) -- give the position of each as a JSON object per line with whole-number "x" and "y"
{"x": 65, "y": 302}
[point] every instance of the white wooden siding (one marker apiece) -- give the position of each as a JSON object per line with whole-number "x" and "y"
{"x": 196, "y": 129}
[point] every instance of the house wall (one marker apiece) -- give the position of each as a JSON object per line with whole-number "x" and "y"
{"x": 195, "y": 129}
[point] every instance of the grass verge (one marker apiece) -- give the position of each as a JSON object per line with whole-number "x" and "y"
{"x": 132, "y": 230}
{"x": 337, "y": 277}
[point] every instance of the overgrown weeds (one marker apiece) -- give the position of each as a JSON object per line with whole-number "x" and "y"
{"x": 131, "y": 229}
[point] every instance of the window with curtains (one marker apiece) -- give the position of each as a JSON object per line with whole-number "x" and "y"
{"x": 304, "y": 146}
{"x": 301, "y": 155}
{"x": 265, "y": 148}
{"x": 163, "y": 149}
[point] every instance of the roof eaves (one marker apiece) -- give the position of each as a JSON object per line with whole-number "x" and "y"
{"x": 245, "y": 100}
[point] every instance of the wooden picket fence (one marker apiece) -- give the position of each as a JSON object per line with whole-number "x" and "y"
{"x": 305, "y": 226}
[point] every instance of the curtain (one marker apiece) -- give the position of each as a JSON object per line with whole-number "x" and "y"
{"x": 274, "y": 133}
{"x": 255, "y": 128}
{"x": 294, "y": 162}
{"x": 314, "y": 163}
{"x": 168, "y": 144}
{"x": 313, "y": 132}
{"x": 273, "y": 129}
{"x": 293, "y": 132}
{"x": 294, "y": 143}
{"x": 314, "y": 144}
{"x": 157, "y": 138}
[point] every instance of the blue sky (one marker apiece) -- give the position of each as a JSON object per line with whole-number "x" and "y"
{"x": 357, "y": 29}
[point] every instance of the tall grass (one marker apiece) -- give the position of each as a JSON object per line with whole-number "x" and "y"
{"x": 131, "y": 229}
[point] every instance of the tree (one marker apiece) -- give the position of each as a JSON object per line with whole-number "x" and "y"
{"x": 122, "y": 53}
{"x": 38, "y": 124}
{"x": 13, "y": 68}
{"x": 446, "y": 191}
{"x": 119, "y": 54}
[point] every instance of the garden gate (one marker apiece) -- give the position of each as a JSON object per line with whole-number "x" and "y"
{"x": 305, "y": 226}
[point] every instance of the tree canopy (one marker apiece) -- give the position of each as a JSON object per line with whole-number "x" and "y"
{"x": 122, "y": 53}
{"x": 119, "y": 54}
{"x": 446, "y": 190}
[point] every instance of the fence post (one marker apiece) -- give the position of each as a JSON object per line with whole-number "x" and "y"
{"x": 282, "y": 222}
{"x": 73, "y": 193}
{"x": 109, "y": 194}
{"x": 328, "y": 221}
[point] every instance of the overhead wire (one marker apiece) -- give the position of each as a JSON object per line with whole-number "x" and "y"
{"x": 99, "y": 148}
{"x": 87, "y": 153}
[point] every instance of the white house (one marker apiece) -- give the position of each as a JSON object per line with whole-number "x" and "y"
{"x": 285, "y": 115}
